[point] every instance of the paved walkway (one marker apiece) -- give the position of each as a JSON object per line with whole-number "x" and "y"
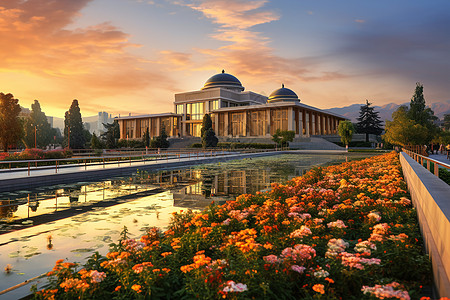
{"x": 440, "y": 157}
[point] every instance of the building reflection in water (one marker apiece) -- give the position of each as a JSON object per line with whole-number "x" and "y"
{"x": 192, "y": 188}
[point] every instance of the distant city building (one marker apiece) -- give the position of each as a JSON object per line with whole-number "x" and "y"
{"x": 235, "y": 113}
{"x": 24, "y": 112}
{"x": 50, "y": 121}
{"x": 103, "y": 118}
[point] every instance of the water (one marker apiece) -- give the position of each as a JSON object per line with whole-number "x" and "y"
{"x": 66, "y": 231}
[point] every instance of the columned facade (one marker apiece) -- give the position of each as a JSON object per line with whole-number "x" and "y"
{"x": 234, "y": 113}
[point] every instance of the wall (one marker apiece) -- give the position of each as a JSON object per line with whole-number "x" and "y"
{"x": 431, "y": 197}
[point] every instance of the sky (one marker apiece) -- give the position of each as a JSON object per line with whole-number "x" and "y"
{"x": 132, "y": 56}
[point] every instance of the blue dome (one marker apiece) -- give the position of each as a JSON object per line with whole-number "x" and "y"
{"x": 283, "y": 94}
{"x": 223, "y": 80}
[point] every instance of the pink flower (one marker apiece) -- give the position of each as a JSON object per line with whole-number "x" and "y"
{"x": 337, "y": 224}
{"x": 271, "y": 259}
{"x": 233, "y": 287}
{"x": 298, "y": 269}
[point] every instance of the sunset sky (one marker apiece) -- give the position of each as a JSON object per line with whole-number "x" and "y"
{"x": 131, "y": 56}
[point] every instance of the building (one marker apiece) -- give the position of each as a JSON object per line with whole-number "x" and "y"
{"x": 235, "y": 113}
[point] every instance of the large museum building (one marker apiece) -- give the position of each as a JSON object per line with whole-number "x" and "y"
{"x": 234, "y": 112}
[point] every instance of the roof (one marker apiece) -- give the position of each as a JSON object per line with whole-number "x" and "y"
{"x": 283, "y": 94}
{"x": 149, "y": 116}
{"x": 223, "y": 80}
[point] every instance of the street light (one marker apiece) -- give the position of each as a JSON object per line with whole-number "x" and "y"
{"x": 35, "y": 143}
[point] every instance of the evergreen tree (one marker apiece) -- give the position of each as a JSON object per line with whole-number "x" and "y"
{"x": 368, "y": 121}
{"x": 37, "y": 128}
{"x": 73, "y": 127}
{"x": 95, "y": 142}
{"x": 346, "y": 130}
{"x": 10, "y": 124}
{"x": 146, "y": 138}
{"x": 208, "y": 135}
{"x": 161, "y": 140}
{"x": 422, "y": 115}
{"x": 111, "y": 135}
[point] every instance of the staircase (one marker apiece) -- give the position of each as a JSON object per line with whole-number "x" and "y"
{"x": 313, "y": 143}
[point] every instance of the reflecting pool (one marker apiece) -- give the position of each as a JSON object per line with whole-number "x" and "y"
{"x": 79, "y": 219}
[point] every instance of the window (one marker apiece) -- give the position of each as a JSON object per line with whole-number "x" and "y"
{"x": 129, "y": 129}
{"x": 195, "y": 111}
{"x": 143, "y": 127}
{"x": 153, "y": 131}
{"x": 180, "y": 109}
{"x": 165, "y": 123}
{"x": 238, "y": 124}
{"x": 213, "y": 105}
{"x": 257, "y": 123}
{"x": 279, "y": 120}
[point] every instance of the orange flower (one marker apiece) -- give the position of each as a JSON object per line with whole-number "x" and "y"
{"x": 164, "y": 254}
{"x": 136, "y": 288}
{"x": 319, "y": 288}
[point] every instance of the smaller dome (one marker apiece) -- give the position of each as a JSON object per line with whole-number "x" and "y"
{"x": 223, "y": 80}
{"x": 283, "y": 94}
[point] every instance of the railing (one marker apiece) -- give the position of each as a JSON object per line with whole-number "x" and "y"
{"x": 428, "y": 162}
{"x": 120, "y": 158}
{"x": 419, "y": 149}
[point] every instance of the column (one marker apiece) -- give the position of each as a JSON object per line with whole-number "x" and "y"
{"x": 225, "y": 124}
{"x": 291, "y": 119}
{"x": 268, "y": 122}
{"x": 307, "y": 123}
{"x": 300, "y": 123}
{"x": 216, "y": 123}
{"x": 313, "y": 121}
{"x": 158, "y": 126}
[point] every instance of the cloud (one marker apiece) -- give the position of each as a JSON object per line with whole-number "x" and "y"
{"x": 95, "y": 58}
{"x": 179, "y": 59}
{"x": 360, "y": 21}
{"x": 248, "y": 51}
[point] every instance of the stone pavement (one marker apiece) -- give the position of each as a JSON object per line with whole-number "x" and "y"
{"x": 440, "y": 157}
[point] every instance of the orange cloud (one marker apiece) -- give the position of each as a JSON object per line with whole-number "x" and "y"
{"x": 248, "y": 51}
{"x": 91, "y": 61}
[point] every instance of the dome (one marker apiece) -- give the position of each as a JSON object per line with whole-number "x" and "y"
{"x": 224, "y": 80}
{"x": 283, "y": 94}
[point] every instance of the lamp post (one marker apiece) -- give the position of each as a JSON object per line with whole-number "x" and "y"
{"x": 35, "y": 140}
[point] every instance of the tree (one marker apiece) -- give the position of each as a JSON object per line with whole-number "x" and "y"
{"x": 404, "y": 131}
{"x": 368, "y": 121}
{"x": 346, "y": 130}
{"x": 282, "y": 138}
{"x": 422, "y": 115}
{"x": 161, "y": 140}
{"x": 95, "y": 142}
{"x": 37, "y": 129}
{"x": 447, "y": 121}
{"x": 111, "y": 135}
{"x": 10, "y": 125}
{"x": 73, "y": 127}
{"x": 209, "y": 138}
{"x": 146, "y": 138}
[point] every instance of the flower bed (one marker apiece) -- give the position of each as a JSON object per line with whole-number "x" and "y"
{"x": 32, "y": 154}
{"x": 340, "y": 232}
